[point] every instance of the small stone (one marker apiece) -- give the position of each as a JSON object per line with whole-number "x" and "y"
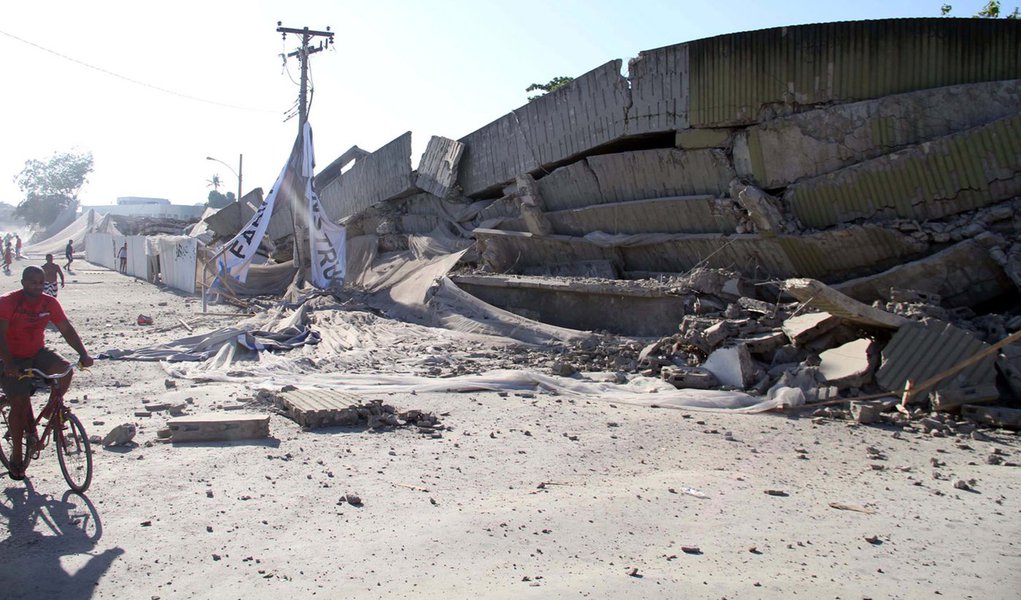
{"x": 691, "y": 550}
{"x": 962, "y": 485}
{"x": 776, "y": 493}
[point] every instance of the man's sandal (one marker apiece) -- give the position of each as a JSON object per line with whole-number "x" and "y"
{"x": 16, "y": 471}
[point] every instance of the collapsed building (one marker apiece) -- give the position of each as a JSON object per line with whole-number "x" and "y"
{"x": 830, "y": 208}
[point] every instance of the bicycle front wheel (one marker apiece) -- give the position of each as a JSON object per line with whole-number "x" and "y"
{"x": 74, "y": 453}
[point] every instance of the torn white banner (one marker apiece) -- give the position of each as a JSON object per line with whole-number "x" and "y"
{"x": 327, "y": 240}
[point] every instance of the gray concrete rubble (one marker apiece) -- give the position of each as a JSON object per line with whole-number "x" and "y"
{"x": 437, "y": 171}
{"x": 821, "y": 296}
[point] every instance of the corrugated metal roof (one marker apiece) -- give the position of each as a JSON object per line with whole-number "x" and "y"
{"x": 917, "y": 352}
{"x": 946, "y": 176}
{"x": 733, "y": 77}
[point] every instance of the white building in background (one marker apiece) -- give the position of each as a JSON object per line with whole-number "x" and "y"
{"x": 135, "y": 206}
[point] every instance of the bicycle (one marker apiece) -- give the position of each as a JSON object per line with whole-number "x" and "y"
{"x": 74, "y": 452}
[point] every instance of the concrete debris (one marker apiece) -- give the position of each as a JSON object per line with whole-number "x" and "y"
{"x": 821, "y": 296}
{"x": 218, "y": 428}
{"x": 316, "y": 408}
{"x": 954, "y": 398}
{"x": 997, "y": 416}
{"x": 696, "y": 378}
{"x": 120, "y": 435}
{"x": 732, "y": 366}
{"x": 849, "y": 365}
{"x": 806, "y": 327}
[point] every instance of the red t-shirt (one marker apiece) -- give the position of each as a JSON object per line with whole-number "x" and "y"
{"x": 26, "y": 319}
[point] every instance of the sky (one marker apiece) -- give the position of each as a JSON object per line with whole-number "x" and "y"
{"x": 152, "y": 89}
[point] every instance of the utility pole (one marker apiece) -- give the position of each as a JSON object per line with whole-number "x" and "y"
{"x": 298, "y": 213}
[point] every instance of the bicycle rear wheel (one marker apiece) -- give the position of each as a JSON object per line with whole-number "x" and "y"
{"x": 6, "y": 445}
{"x": 74, "y": 453}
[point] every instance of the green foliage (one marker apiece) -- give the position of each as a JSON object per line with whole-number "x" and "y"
{"x": 218, "y": 200}
{"x": 551, "y": 86}
{"x": 214, "y": 182}
{"x": 991, "y": 10}
{"x": 52, "y": 186}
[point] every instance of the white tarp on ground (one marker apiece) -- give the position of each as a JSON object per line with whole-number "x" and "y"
{"x": 89, "y": 222}
{"x": 178, "y": 261}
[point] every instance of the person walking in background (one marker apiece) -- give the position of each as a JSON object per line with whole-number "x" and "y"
{"x": 122, "y": 255}
{"x": 8, "y": 257}
{"x": 51, "y": 271}
{"x": 69, "y": 254}
{"x": 17, "y": 246}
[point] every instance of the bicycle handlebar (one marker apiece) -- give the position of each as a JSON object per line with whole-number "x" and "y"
{"x": 33, "y": 372}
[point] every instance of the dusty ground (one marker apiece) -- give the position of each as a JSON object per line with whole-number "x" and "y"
{"x": 527, "y": 495}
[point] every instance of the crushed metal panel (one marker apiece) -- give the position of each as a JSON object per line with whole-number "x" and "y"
{"x": 637, "y": 175}
{"x": 784, "y": 150}
{"x": 659, "y": 90}
{"x": 821, "y": 296}
{"x": 320, "y": 408}
{"x": 963, "y": 275}
{"x": 586, "y": 113}
{"x": 738, "y": 78}
{"x": 953, "y": 174}
{"x": 437, "y": 171}
{"x": 680, "y": 214}
{"x": 380, "y": 176}
{"x": 917, "y": 352}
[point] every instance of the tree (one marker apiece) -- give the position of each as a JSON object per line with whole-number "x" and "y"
{"x": 214, "y": 182}
{"x": 551, "y": 86}
{"x": 218, "y": 200}
{"x": 990, "y": 11}
{"x": 52, "y": 186}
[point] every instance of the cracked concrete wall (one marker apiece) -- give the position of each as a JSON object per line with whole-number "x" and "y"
{"x": 380, "y": 176}
{"x": 685, "y": 214}
{"x": 942, "y": 177}
{"x": 779, "y": 152}
{"x": 437, "y": 171}
{"x": 639, "y": 175}
{"x": 825, "y": 256}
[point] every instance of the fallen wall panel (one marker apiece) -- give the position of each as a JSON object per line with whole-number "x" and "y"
{"x": 684, "y": 214}
{"x": 382, "y": 175}
{"x": 639, "y": 175}
{"x": 437, "y": 171}
{"x": 742, "y": 78}
{"x": 782, "y": 151}
{"x": 943, "y": 177}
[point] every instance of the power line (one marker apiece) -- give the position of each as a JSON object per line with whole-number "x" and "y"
{"x": 134, "y": 81}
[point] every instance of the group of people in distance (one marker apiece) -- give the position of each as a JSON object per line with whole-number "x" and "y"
{"x": 24, "y": 316}
{"x": 11, "y": 250}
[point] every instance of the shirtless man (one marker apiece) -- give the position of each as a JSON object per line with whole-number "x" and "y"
{"x": 51, "y": 271}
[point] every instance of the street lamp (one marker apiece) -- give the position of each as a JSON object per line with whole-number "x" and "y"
{"x": 241, "y": 162}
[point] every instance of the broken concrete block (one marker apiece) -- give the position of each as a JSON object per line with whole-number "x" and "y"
{"x": 689, "y": 377}
{"x": 319, "y": 408}
{"x": 848, "y": 365}
{"x": 765, "y": 343}
{"x": 763, "y": 209}
{"x": 1008, "y": 418}
{"x": 718, "y": 333}
{"x": 120, "y": 435}
{"x": 953, "y": 398}
{"x": 733, "y": 366}
{"x": 218, "y": 428}
{"x": 437, "y": 171}
{"x": 804, "y": 328}
{"x": 823, "y": 297}
{"x": 865, "y": 412}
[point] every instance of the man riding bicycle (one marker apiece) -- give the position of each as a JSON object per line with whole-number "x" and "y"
{"x": 24, "y": 315}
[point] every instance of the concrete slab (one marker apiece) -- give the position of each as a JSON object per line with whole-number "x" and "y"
{"x": 321, "y": 408}
{"x": 695, "y": 139}
{"x": 380, "y": 176}
{"x": 823, "y": 297}
{"x": 802, "y": 329}
{"x": 218, "y": 427}
{"x": 963, "y": 275}
{"x": 782, "y": 151}
{"x": 931, "y": 180}
{"x": 437, "y": 171}
{"x": 847, "y": 365}
{"x": 694, "y": 378}
{"x": 678, "y": 214}
{"x": 733, "y": 366}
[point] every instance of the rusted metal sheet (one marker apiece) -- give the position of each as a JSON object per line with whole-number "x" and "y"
{"x": 382, "y": 175}
{"x": 740, "y": 78}
{"x": 932, "y": 180}
{"x": 917, "y": 352}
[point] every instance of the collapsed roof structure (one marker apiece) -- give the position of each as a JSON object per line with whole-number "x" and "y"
{"x": 880, "y": 158}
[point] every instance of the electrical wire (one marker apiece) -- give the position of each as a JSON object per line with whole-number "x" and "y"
{"x": 134, "y": 81}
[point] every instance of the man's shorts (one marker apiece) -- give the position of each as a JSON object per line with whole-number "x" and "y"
{"x": 43, "y": 360}
{"x": 50, "y": 287}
